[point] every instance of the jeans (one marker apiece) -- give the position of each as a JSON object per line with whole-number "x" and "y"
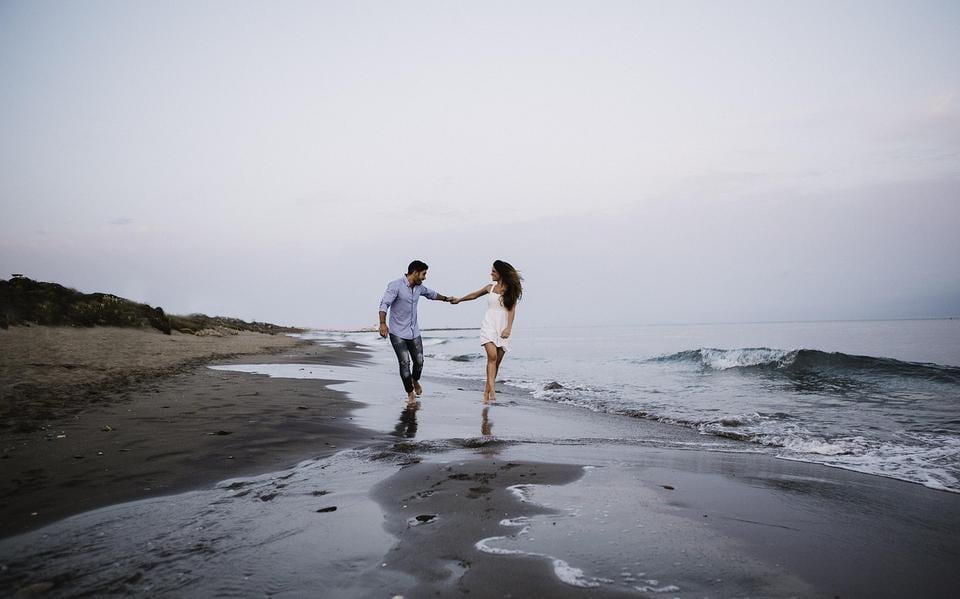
{"x": 410, "y": 356}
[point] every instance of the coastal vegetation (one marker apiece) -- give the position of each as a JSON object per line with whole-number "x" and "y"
{"x": 26, "y": 302}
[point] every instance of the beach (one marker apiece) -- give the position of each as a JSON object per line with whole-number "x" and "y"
{"x": 299, "y": 472}
{"x": 98, "y": 416}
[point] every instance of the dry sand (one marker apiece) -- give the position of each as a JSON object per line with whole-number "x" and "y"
{"x": 46, "y": 372}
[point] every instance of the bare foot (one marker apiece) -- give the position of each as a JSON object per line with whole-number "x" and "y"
{"x": 411, "y": 397}
{"x": 491, "y": 395}
{"x": 417, "y": 388}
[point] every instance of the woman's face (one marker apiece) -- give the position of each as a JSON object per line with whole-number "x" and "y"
{"x": 494, "y": 274}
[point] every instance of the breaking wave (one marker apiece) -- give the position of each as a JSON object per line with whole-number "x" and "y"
{"x": 807, "y": 360}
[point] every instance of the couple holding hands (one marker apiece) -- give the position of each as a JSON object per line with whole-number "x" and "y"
{"x": 401, "y": 298}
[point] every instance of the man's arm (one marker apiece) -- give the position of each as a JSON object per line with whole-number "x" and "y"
{"x": 388, "y": 298}
{"x": 383, "y": 324}
{"x": 431, "y": 294}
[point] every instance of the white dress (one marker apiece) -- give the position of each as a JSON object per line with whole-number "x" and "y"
{"x": 494, "y": 321}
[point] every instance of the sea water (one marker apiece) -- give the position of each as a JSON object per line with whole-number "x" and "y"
{"x": 879, "y": 397}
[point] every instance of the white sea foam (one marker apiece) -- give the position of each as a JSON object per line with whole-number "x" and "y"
{"x": 928, "y": 459}
{"x": 572, "y": 576}
{"x": 670, "y": 588}
{"x": 563, "y": 571}
{"x": 521, "y": 492}
{"x": 518, "y": 521}
{"x": 484, "y": 546}
{"x": 816, "y": 445}
{"x": 725, "y": 359}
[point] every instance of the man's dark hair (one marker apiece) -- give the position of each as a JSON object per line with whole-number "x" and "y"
{"x": 416, "y": 266}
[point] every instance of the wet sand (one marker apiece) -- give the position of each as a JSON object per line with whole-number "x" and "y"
{"x": 636, "y": 511}
{"x": 684, "y": 523}
{"x": 439, "y": 512}
{"x": 521, "y": 499}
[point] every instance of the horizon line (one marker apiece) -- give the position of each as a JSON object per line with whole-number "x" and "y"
{"x": 372, "y": 329}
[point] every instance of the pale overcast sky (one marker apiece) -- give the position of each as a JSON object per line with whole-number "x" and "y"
{"x": 639, "y": 162}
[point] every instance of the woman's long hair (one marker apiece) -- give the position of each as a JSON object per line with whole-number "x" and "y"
{"x": 510, "y": 279}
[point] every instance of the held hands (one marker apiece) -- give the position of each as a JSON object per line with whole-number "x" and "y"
{"x": 454, "y": 300}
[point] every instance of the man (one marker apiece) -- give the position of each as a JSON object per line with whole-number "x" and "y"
{"x": 401, "y": 299}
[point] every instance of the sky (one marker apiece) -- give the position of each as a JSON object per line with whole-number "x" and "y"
{"x": 638, "y": 162}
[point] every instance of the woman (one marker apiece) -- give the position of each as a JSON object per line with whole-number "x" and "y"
{"x": 497, "y": 324}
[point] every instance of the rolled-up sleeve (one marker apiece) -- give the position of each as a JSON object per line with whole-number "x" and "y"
{"x": 430, "y": 293}
{"x": 388, "y": 296}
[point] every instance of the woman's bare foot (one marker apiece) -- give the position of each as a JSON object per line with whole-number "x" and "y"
{"x": 417, "y": 388}
{"x": 491, "y": 395}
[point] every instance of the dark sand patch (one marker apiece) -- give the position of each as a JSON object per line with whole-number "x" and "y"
{"x": 439, "y": 512}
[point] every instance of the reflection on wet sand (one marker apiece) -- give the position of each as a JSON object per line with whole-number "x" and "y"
{"x": 407, "y": 425}
{"x": 486, "y": 425}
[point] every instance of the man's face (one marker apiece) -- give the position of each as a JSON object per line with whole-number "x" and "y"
{"x": 419, "y": 276}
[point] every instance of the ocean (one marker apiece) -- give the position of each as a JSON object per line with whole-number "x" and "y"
{"x": 878, "y": 397}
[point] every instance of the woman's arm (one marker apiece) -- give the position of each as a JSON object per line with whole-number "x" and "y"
{"x": 510, "y": 314}
{"x": 471, "y": 296}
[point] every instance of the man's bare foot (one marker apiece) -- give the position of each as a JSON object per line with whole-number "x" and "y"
{"x": 411, "y": 398}
{"x": 417, "y": 388}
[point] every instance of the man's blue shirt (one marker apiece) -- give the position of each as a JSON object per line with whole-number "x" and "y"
{"x": 402, "y": 300}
